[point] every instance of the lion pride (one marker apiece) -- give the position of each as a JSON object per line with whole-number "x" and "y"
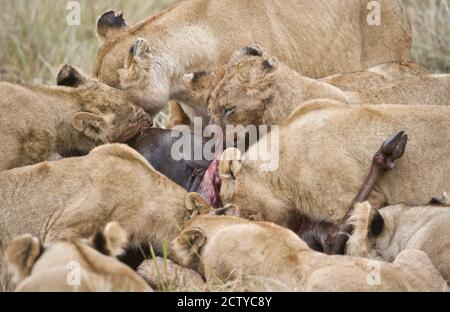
{"x": 267, "y": 257}
{"x": 254, "y": 88}
{"x": 74, "y": 197}
{"x": 315, "y": 38}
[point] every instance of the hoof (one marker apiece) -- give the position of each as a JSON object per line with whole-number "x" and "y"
{"x": 391, "y": 150}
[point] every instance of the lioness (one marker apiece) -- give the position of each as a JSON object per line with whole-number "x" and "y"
{"x": 256, "y": 89}
{"x": 425, "y": 228}
{"x": 316, "y": 39}
{"x": 314, "y": 165}
{"x": 274, "y": 258}
{"x": 165, "y": 275}
{"x": 40, "y": 123}
{"x": 73, "y": 197}
{"x": 74, "y": 264}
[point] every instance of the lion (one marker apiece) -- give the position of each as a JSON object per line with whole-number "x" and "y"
{"x": 74, "y": 264}
{"x": 315, "y": 163}
{"x": 273, "y": 258}
{"x": 425, "y": 228}
{"x": 257, "y": 89}
{"x": 40, "y": 123}
{"x": 73, "y": 197}
{"x": 148, "y": 60}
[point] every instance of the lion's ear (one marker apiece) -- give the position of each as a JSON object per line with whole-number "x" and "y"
{"x": 108, "y": 22}
{"x": 21, "y": 255}
{"x": 442, "y": 200}
{"x": 230, "y": 163}
{"x": 251, "y": 50}
{"x": 111, "y": 241}
{"x": 254, "y": 216}
{"x": 271, "y": 64}
{"x": 70, "y": 76}
{"x": 185, "y": 249}
{"x": 192, "y": 240}
{"x": 228, "y": 210}
{"x": 197, "y": 205}
{"x": 91, "y": 125}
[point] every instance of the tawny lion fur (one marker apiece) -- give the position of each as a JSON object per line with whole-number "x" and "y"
{"x": 316, "y": 40}
{"x": 73, "y": 264}
{"x": 259, "y": 90}
{"x": 75, "y": 196}
{"x": 39, "y": 123}
{"x": 274, "y": 258}
{"x": 325, "y": 151}
{"x": 425, "y": 228}
{"x": 176, "y": 116}
{"x": 376, "y": 76}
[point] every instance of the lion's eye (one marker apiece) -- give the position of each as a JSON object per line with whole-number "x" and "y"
{"x": 227, "y": 111}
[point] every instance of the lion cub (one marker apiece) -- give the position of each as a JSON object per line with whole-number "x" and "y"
{"x": 377, "y": 76}
{"x": 77, "y": 195}
{"x": 74, "y": 264}
{"x": 268, "y": 257}
{"x": 425, "y": 228}
{"x": 39, "y": 123}
{"x": 254, "y": 88}
{"x": 321, "y": 152}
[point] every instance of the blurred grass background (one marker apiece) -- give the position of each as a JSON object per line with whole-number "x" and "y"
{"x": 431, "y": 33}
{"x": 35, "y": 38}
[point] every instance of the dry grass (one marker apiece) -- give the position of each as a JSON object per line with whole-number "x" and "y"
{"x": 35, "y": 37}
{"x": 5, "y": 278}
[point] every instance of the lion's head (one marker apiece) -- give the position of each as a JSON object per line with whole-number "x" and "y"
{"x": 105, "y": 114}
